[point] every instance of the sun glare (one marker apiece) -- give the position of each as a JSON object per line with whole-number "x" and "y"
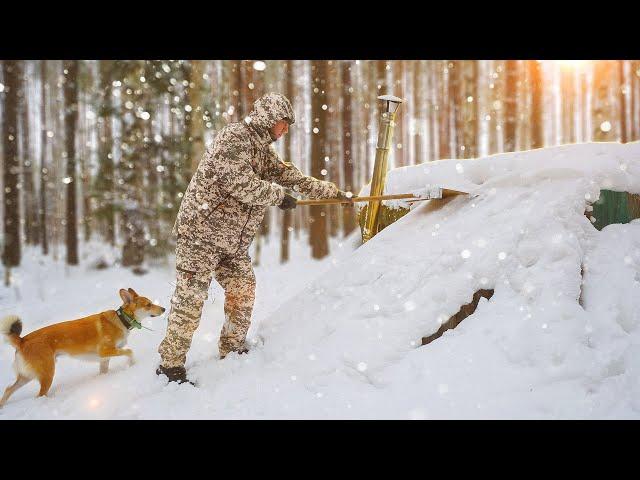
{"x": 572, "y": 64}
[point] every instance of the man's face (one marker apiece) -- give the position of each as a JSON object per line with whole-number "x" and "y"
{"x": 279, "y": 129}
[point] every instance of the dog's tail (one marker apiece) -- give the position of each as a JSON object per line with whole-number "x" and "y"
{"x": 11, "y": 327}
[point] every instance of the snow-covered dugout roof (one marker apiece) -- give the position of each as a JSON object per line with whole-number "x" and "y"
{"x": 592, "y": 166}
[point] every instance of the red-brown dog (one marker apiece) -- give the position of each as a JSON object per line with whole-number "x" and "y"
{"x": 100, "y": 336}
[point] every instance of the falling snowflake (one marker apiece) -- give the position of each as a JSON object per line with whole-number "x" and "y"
{"x": 605, "y": 126}
{"x": 465, "y": 254}
{"x": 362, "y": 367}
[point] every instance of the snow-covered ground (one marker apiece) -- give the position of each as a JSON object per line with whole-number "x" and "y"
{"x": 341, "y": 338}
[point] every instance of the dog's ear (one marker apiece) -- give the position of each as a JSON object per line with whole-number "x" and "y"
{"x": 133, "y": 292}
{"x": 126, "y": 296}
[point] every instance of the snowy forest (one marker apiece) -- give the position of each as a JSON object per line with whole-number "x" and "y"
{"x": 103, "y": 150}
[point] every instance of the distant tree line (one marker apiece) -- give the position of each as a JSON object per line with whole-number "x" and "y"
{"x": 104, "y": 150}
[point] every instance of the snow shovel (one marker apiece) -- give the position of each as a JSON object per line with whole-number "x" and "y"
{"x": 432, "y": 193}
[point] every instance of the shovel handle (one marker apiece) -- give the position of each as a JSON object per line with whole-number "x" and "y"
{"x": 411, "y": 197}
{"x": 327, "y": 201}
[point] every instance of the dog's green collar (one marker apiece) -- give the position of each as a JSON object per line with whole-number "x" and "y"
{"x": 127, "y": 320}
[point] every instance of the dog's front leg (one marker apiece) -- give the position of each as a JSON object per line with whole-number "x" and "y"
{"x": 116, "y": 352}
{"x": 104, "y": 365}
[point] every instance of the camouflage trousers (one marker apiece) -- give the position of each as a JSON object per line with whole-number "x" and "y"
{"x": 196, "y": 264}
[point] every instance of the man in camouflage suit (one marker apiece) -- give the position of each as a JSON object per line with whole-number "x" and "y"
{"x": 239, "y": 176}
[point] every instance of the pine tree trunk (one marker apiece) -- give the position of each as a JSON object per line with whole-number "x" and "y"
{"x": 12, "y": 76}
{"x": 57, "y": 166}
{"x": 623, "y": 102}
{"x": 318, "y": 228}
{"x": 43, "y": 158}
{"x": 84, "y": 159}
{"x": 348, "y": 214}
{"x": 418, "y": 102}
{"x": 28, "y": 188}
{"x": 433, "y": 69}
{"x": 238, "y": 97}
{"x": 537, "y": 121}
{"x": 601, "y": 105}
{"x": 456, "y": 105}
{"x": 286, "y": 214}
{"x": 196, "y": 132}
{"x": 398, "y": 91}
{"x": 568, "y": 107}
{"x": 106, "y": 172}
{"x": 470, "y": 109}
{"x": 444, "y": 148}
{"x": 332, "y": 138}
{"x": 510, "y": 105}
{"x": 234, "y": 82}
{"x": 70, "y": 122}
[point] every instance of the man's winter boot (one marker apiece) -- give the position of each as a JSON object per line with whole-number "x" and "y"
{"x": 175, "y": 374}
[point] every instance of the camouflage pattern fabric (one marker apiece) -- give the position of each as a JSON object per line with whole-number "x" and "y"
{"x": 196, "y": 263}
{"x": 239, "y": 177}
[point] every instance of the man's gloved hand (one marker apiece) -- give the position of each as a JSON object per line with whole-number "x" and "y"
{"x": 288, "y": 202}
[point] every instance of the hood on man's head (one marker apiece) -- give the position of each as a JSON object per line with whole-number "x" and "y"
{"x": 270, "y": 109}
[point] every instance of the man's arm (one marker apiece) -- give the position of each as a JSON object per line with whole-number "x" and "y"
{"x": 232, "y": 172}
{"x": 287, "y": 175}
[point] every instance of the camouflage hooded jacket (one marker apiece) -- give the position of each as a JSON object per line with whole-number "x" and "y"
{"x": 235, "y": 181}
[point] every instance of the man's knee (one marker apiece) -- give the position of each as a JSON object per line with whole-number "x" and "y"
{"x": 240, "y": 294}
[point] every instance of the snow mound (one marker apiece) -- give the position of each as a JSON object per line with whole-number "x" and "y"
{"x": 558, "y": 339}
